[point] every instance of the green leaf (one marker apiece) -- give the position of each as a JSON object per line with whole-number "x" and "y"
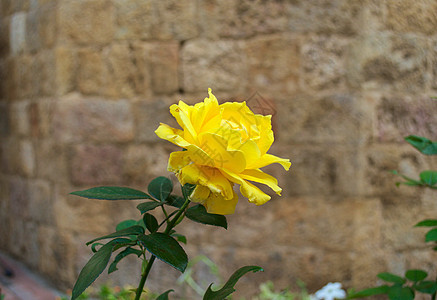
{"x": 416, "y": 275}
{"x": 427, "y": 287}
{"x": 112, "y": 193}
{"x": 166, "y": 249}
{"x": 179, "y": 237}
{"x": 422, "y": 144}
{"x": 93, "y": 247}
{"x": 175, "y": 201}
{"x": 164, "y": 296}
{"x": 228, "y": 288}
{"x": 120, "y": 256}
{"x": 198, "y": 214}
{"x": 150, "y": 222}
{"x": 391, "y": 278}
{"x": 125, "y": 224}
{"x": 133, "y": 230}
{"x": 160, "y": 188}
{"x": 94, "y": 267}
{"x": 383, "y": 289}
{"x": 146, "y": 206}
{"x": 428, "y": 177}
{"x": 397, "y": 292}
{"x": 187, "y": 190}
{"x": 427, "y": 223}
{"x": 431, "y": 236}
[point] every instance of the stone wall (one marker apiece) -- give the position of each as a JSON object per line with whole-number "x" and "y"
{"x": 84, "y": 84}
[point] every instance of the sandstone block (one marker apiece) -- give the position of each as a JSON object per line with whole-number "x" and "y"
{"x": 417, "y": 16}
{"x": 216, "y": 64}
{"x": 323, "y": 63}
{"x": 4, "y": 119}
{"x": 388, "y": 62}
{"x": 174, "y": 20}
{"x": 133, "y": 19}
{"x": 27, "y": 84}
{"x": 335, "y": 118}
{"x": 273, "y": 64}
{"x": 148, "y": 115}
{"x": 51, "y": 163}
{"x": 78, "y": 119}
{"x": 90, "y": 71}
{"x": 41, "y": 27}
{"x": 86, "y": 21}
{"x": 123, "y": 77}
{"x": 242, "y": 19}
{"x": 66, "y": 62}
{"x": 96, "y": 164}
{"x": 40, "y": 202}
{"x": 27, "y": 158}
{"x": 20, "y": 122}
{"x": 19, "y": 203}
{"x": 17, "y": 33}
{"x": 325, "y": 16}
{"x": 8, "y": 72}
{"x": 4, "y": 37}
{"x": 32, "y": 33}
{"x": 164, "y": 60}
{"x": 46, "y": 76}
{"x": 400, "y": 116}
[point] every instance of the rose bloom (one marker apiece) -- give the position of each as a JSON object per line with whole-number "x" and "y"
{"x": 223, "y": 145}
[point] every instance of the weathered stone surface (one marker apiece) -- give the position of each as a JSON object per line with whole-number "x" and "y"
{"x": 4, "y": 37}
{"x": 418, "y": 16}
{"x": 17, "y": 33}
{"x": 19, "y": 204}
{"x": 96, "y": 164}
{"x": 90, "y": 72}
{"x": 265, "y": 74}
{"x": 216, "y": 64}
{"x": 51, "y": 162}
{"x": 400, "y": 116}
{"x": 133, "y": 19}
{"x": 174, "y": 20}
{"x": 27, "y": 83}
{"x": 86, "y": 21}
{"x": 386, "y": 61}
{"x": 324, "y": 16}
{"x": 19, "y": 118}
{"x": 323, "y": 63}
{"x": 65, "y": 70}
{"x": 4, "y": 119}
{"x": 238, "y": 19}
{"x": 164, "y": 63}
{"x": 40, "y": 202}
{"x": 78, "y": 119}
{"x": 27, "y": 158}
{"x": 41, "y": 27}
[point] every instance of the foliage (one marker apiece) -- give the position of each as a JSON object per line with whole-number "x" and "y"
{"x": 414, "y": 281}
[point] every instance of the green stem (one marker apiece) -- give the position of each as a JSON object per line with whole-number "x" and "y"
{"x": 144, "y": 278}
{"x": 170, "y": 226}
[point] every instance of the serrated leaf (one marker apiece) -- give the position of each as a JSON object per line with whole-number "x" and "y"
{"x": 427, "y": 287}
{"x": 228, "y": 288}
{"x": 179, "y": 237}
{"x": 150, "y": 222}
{"x": 133, "y": 230}
{"x": 94, "y": 267}
{"x": 112, "y": 193}
{"x": 146, "y": 206}
{"x": 160, "y": 188}
{"x": 383, "y": 289}
{"x": 422, "y": 144}
{"x": 391, "y": 278}
{"x": 164, "y": 296}
{"x": 120, "y": 256}
{"x": 199, "y": 214}
{"x": 125, "y": 224}
{"x": 427, "y": 223}
{"x": 416, "y": 275}
{"x": 400, "y": 293}
{"x": 428, "y": 177}
{"x": 431, "y": 236}
{"x": 166, "y": 249}
{"x": 175, "y": 201}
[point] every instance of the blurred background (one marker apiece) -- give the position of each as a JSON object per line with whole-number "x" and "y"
{"x": 85, "y": 83}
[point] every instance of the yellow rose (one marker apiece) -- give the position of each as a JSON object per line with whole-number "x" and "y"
{"x": 223, "y": 144}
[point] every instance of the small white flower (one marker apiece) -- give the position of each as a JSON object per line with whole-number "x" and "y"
{"x": 331, "y": 291}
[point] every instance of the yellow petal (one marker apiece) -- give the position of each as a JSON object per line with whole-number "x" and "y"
{"x": 178, "y": 160}
{"x": 182, "y": 113}
{"x": 206, "y": 176}
{"x": 172, "y": 135}
{"x": 268, "y": 159}
{"x": 264, "y": 125}
{"x": 248, "y": 190}
{"x": 200, "y": 194}
{"x": 216, "y": 204}
{"x": 206, "y": 114}
{"x": 261, "y": 177}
